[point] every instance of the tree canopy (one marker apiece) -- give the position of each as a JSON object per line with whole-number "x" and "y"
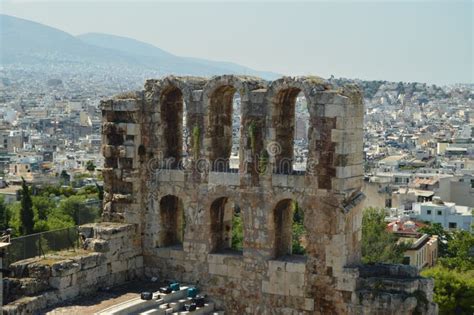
{"x": 378, "y": 244}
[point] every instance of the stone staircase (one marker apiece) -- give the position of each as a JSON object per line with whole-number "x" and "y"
{"x": 161, "y": 303}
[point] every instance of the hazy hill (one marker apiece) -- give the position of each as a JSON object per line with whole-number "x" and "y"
{"x": 27, "y": 42}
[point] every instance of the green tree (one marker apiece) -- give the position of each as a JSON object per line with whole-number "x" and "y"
{"x": 26, "y": 212}
{"x": 458, "y": 255}
{"x": 453, "y": 291}
{"x": 59, "y": 220}
{"x": 65, "y": 177}
{"x": 14, "y": 217}
{"x": 90, "y": 166}
{"x": 298, "y": 231}
{"x": 4, "y": 214}
{"x": 378, "y": 244}
{"x": 42, "y": 207}
{"x": 237, "y": 232}
{"x": 76, "y": 208}
{"x": 444, "y": 237}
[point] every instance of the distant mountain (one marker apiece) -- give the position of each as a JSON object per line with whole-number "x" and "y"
{"x": 27, "y": 42}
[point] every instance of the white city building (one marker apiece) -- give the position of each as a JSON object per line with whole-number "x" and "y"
{"x": 448, "y": 214}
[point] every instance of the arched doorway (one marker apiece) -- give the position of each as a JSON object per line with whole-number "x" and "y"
{"x": 226, "y": 226}
{"x": 290, "y": 234}
{"x": 225, "y": 121}
{"x": 172, "y": 125}
{"x": 291, "y": 131}
{"x": 171, "y": 221}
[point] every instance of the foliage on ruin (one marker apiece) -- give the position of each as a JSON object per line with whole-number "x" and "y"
{"x": 196, "y": 142}
{"x": 298, "y": 231}
{"x": 263, "y": 161}
{"x": 237, "y": 232}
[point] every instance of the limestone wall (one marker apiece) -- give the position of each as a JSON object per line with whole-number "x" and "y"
{"x": 112, "y": 256}
{"x": 147, "y": 185}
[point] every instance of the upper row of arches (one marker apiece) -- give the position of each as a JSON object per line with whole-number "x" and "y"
{"x": 223, "y": 114}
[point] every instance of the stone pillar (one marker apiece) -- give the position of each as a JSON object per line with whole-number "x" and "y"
{"x": 121, "y": 147}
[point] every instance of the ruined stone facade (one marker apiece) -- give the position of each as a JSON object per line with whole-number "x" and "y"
{"x": 182, "y": 207}
{"x": 111, "y": 255}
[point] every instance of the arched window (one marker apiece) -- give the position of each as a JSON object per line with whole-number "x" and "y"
{"x": 172, "y": 125}
{"x": 224, "y": 121}
{"x": 226, "y": 226}
{"x": 171, "y": 221}
{"x": 291, "y": 127}
{"x": 300, "y": 144}
{"x": 290, "y": 235}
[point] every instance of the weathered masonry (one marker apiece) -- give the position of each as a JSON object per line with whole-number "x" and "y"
{"x": 181, "y": 196}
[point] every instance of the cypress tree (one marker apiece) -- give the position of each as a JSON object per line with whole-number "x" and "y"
{"x": 26, "y": 211}
{"x": 4, "y": 217}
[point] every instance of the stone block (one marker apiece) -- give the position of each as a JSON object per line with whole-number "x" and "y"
{"x": 124, "y": 105}
{"x": 334, "y": 110}
{"x": 197, "y": 95}
{"x": 276, "y": 265}
{"x": 177, "y": 175}
{"x": 163, "y": 175}
{"x": 139, "y": 261}
{"x": 267, "y": 287}
{"x": 118, "y": 266}
{"x": 339, "y": 99}
{"x": 218, "y": 269}
{"x": 132, "y": 129}
{"x": 299, "y": 267}
{"x": 98, "y": 245}
{"x": 279, "y": 180}
{"x": 65, "y": 268}
{"x": 101, "y": 270}
{"x": 234, "y": 271}
{"x": 295, "y": 278}
{"x": 278, "y": 277}
{"x": 216, "y": 258}
{"x": 295, "y": 290}
{"x": 162, "y": 252}
{"x": 60, "y": 282}
{"x": 308, "y": 304}
{"x": 69, "y": 293}
{"x": 88, "y": 261}
{"x": 87, "y": 229}
{"x": 257, "y": 96}
{"x": 177, "y": 254}
{"x": 130, "y": 151}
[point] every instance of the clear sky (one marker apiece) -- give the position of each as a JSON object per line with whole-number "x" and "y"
{"x": 426, "y": 41}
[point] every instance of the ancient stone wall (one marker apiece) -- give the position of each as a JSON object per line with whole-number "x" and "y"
{"x": 111, "y": 256}
{"x": 153, "y": 182}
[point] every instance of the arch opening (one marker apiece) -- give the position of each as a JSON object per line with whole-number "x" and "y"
{"x": 291, "y": 131}
{"x": 171, "y": 110}
{"x": 172, "y": 221}
{"x": 226, "y": 226}
{"x": 300, "y": 142}
{"x": 224, "y": 123}
{"x": 290, "y": 234}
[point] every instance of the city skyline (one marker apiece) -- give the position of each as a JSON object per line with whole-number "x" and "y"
{"x": 320, "y": 38}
